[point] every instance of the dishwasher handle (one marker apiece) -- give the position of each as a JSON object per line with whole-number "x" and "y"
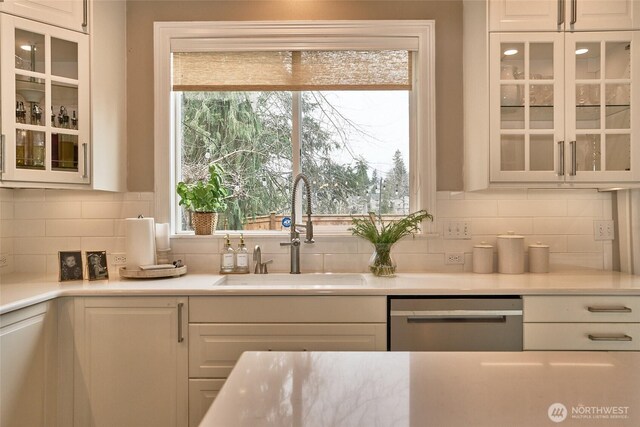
{"x": 425, "y": 316}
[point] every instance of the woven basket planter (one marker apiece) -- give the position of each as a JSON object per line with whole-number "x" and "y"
{"x": 204, "y": 223}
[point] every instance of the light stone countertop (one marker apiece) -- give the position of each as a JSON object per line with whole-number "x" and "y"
{"x": 441, "y": 389}
{"x": 21, "y": 290}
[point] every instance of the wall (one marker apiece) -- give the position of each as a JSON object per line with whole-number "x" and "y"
{"x": 141, "y": 15}
{"x": 36, "y": 224}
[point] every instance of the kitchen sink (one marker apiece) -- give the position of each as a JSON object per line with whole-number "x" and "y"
{"x": 309, "y": 280}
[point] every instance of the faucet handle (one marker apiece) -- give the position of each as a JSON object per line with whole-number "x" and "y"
{"x": 264, "y": 266}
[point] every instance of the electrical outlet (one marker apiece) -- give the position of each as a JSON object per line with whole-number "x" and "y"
{"x": 454, "y": 258}
{"x": 457, "y": 230}
{"x": 603, "y": 229}
{"x": 3, "y": 261}
{"x": 119, "y": 259}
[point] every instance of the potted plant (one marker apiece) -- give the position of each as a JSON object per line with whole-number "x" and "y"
{"x": 384, "y": 235}
{"x": 204, "y": 199}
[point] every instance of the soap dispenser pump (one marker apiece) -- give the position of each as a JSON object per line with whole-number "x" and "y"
{"x": 227, "y": 257}
{"x": 242, "y": 257}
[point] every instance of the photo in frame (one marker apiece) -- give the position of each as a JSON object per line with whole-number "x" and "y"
{"x": 97, "y": 265}
{"x": 70, "y": 263}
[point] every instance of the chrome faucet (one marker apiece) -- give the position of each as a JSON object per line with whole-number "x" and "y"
{"x": 261, "y": 267}
{"x": 295, "y": 228}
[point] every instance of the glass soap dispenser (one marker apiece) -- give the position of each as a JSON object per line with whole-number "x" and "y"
{"x": 242, "y": 257}
{"x": 227, "y": 257}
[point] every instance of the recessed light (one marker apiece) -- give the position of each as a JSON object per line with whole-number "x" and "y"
{"x": 510, "y": 52}
{"x": 27, "y": 47}
{"x": 582, "y": 51}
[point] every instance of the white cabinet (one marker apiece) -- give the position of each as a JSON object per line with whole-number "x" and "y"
{"x": 45, "y": 103}
{"x": 131, "y": 365}
{"x": 563, "y": 15}
{"x": 28, "y": 372}
{"x": 609, "y": 323}
{"x": 560, "y": 107}
{"x": 221, "y": 328}
{"x": 71, "y": 14}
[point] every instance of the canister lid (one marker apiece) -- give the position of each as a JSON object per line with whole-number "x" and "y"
{"x": 510, "y": 235}
{"x": 539, "y": 245}
{"x": 483, "y": 245}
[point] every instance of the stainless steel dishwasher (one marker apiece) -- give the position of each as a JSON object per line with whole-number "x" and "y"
{"x": 455, "y": 324}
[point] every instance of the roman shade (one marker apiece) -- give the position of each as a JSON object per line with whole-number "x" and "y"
{"x": 292, "y": 70}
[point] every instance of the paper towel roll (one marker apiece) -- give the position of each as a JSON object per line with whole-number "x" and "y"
{"x": 141, "y": 242}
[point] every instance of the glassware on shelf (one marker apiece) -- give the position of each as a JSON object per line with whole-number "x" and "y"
{"x": 74, "y": 121}
{"x": 21, "y": 113}
{"x": 38, "y": 149}
{"x": 21, "y": 140}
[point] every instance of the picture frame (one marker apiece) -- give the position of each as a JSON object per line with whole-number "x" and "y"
{"x": 70, "y": 266}
{"x": 97, "y": 265}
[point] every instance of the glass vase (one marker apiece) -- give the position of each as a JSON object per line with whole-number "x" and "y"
{"x": 381, "y": 264}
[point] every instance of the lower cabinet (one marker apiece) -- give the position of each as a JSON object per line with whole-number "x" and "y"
{"x": 28, "y": 367}
{"x": 598, "y": 322}
{"x": 131, "y": 367}
{"x": 222, "y": 328}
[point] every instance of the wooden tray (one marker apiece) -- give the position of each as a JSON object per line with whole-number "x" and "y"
{"x": 152, "y": 274}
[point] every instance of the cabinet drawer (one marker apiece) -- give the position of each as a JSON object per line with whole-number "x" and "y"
{"x": 288, "y": 309}
{"x": 201, "y": 395}
{"x": 214, "y": 349}
{"x": 582, "y": 309}
{"x": 576, "y": 336}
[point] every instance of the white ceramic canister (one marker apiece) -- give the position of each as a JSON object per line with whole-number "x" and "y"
{"x": 538, "y": 258}
{"x": 510, "y": 253}
{"x": 483, "y": 258}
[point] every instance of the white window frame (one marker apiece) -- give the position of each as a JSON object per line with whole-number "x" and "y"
{"x": 250, "y": 35}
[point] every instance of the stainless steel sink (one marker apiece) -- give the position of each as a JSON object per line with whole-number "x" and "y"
{"x": 311, "y": 280}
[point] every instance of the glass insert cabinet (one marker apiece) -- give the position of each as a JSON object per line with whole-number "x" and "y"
{"x": 562, "y": 107}
{"x": 45, "y": 103}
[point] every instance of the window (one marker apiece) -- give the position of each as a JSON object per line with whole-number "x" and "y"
{"x": 346, "y": 110}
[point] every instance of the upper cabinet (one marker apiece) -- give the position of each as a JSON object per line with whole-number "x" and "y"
{"x": 45, "y": 102}
{"x": 71, "y": 14}
{"x": 63, "y": 96}
{"x": 560, "y": 107}
{"x": 563, "y": 15}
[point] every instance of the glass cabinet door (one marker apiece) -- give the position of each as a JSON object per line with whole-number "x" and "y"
{"x": 599, "y": 116}
{"x": 45, "y": 120}
{"x": 527, "y": 73}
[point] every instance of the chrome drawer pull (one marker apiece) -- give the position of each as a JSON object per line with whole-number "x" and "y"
{"x": 609, "y": 309}
{"x": 621, "y": 337}
{"x": 180, "y": 336}
{"x": 454, "y": 313}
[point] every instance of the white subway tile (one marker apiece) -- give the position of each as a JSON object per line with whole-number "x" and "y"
{"x": 6, "y": 267}
{"x": 456, "y": 195}
{"x": 496, "y": 226}
{"x": 532, "y": 208}
{"x": 202, "y": 263}
{"x": 435, "y": 245}
{"x": 28, "y": 227}
{"x": 109, "y": 244}
{"x": 574, "y": 261}
{"x": 413, "y": 263}
{"x": 592, "y": 208}
{"x": 312, "y": 263}
{"x": 581, "y": 243}
{"x": 6, "y": 245}
{"x": 337, "y": 245}
{"x": 6, "y": 194}
{"x": 6, "y": 228}
{"x": 138, "y": 196}
{"x": 80, "y": 227}
{"x": 497, "y": 194}
{"x": 6, "y": 210}
{"x": 559, "y": 225}
{"x": 115, "y": 209}
{"x": 443, "y": 195}
{"x": 30, "y": 263}
{"x": 412, "y": 245}
{"x": 338, "y": 263}
{"x": 44, "y": 245}
{"x": 195, "y": 245}
{"x": 77, "y": 195}
{"x": 47, "y": 210}
{"x": 563, "y": 194}
{"x": 29, "y": 195}
{"x": 467, "y": 208}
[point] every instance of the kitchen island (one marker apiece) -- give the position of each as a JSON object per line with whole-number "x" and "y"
{"x": 430, "y": 389}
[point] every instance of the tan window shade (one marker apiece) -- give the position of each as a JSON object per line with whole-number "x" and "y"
{"x": 292, "y": 70}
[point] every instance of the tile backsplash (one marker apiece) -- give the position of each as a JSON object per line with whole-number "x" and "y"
{"x": 36, "y": 224}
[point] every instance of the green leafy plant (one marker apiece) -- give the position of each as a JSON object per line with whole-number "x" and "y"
{"x": 384, "y": 235}
{"x": 205, "y": 196}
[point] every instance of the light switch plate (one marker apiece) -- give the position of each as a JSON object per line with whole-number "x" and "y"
{"x": 603, "y": 229}
{"x": 457, "y": 230}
